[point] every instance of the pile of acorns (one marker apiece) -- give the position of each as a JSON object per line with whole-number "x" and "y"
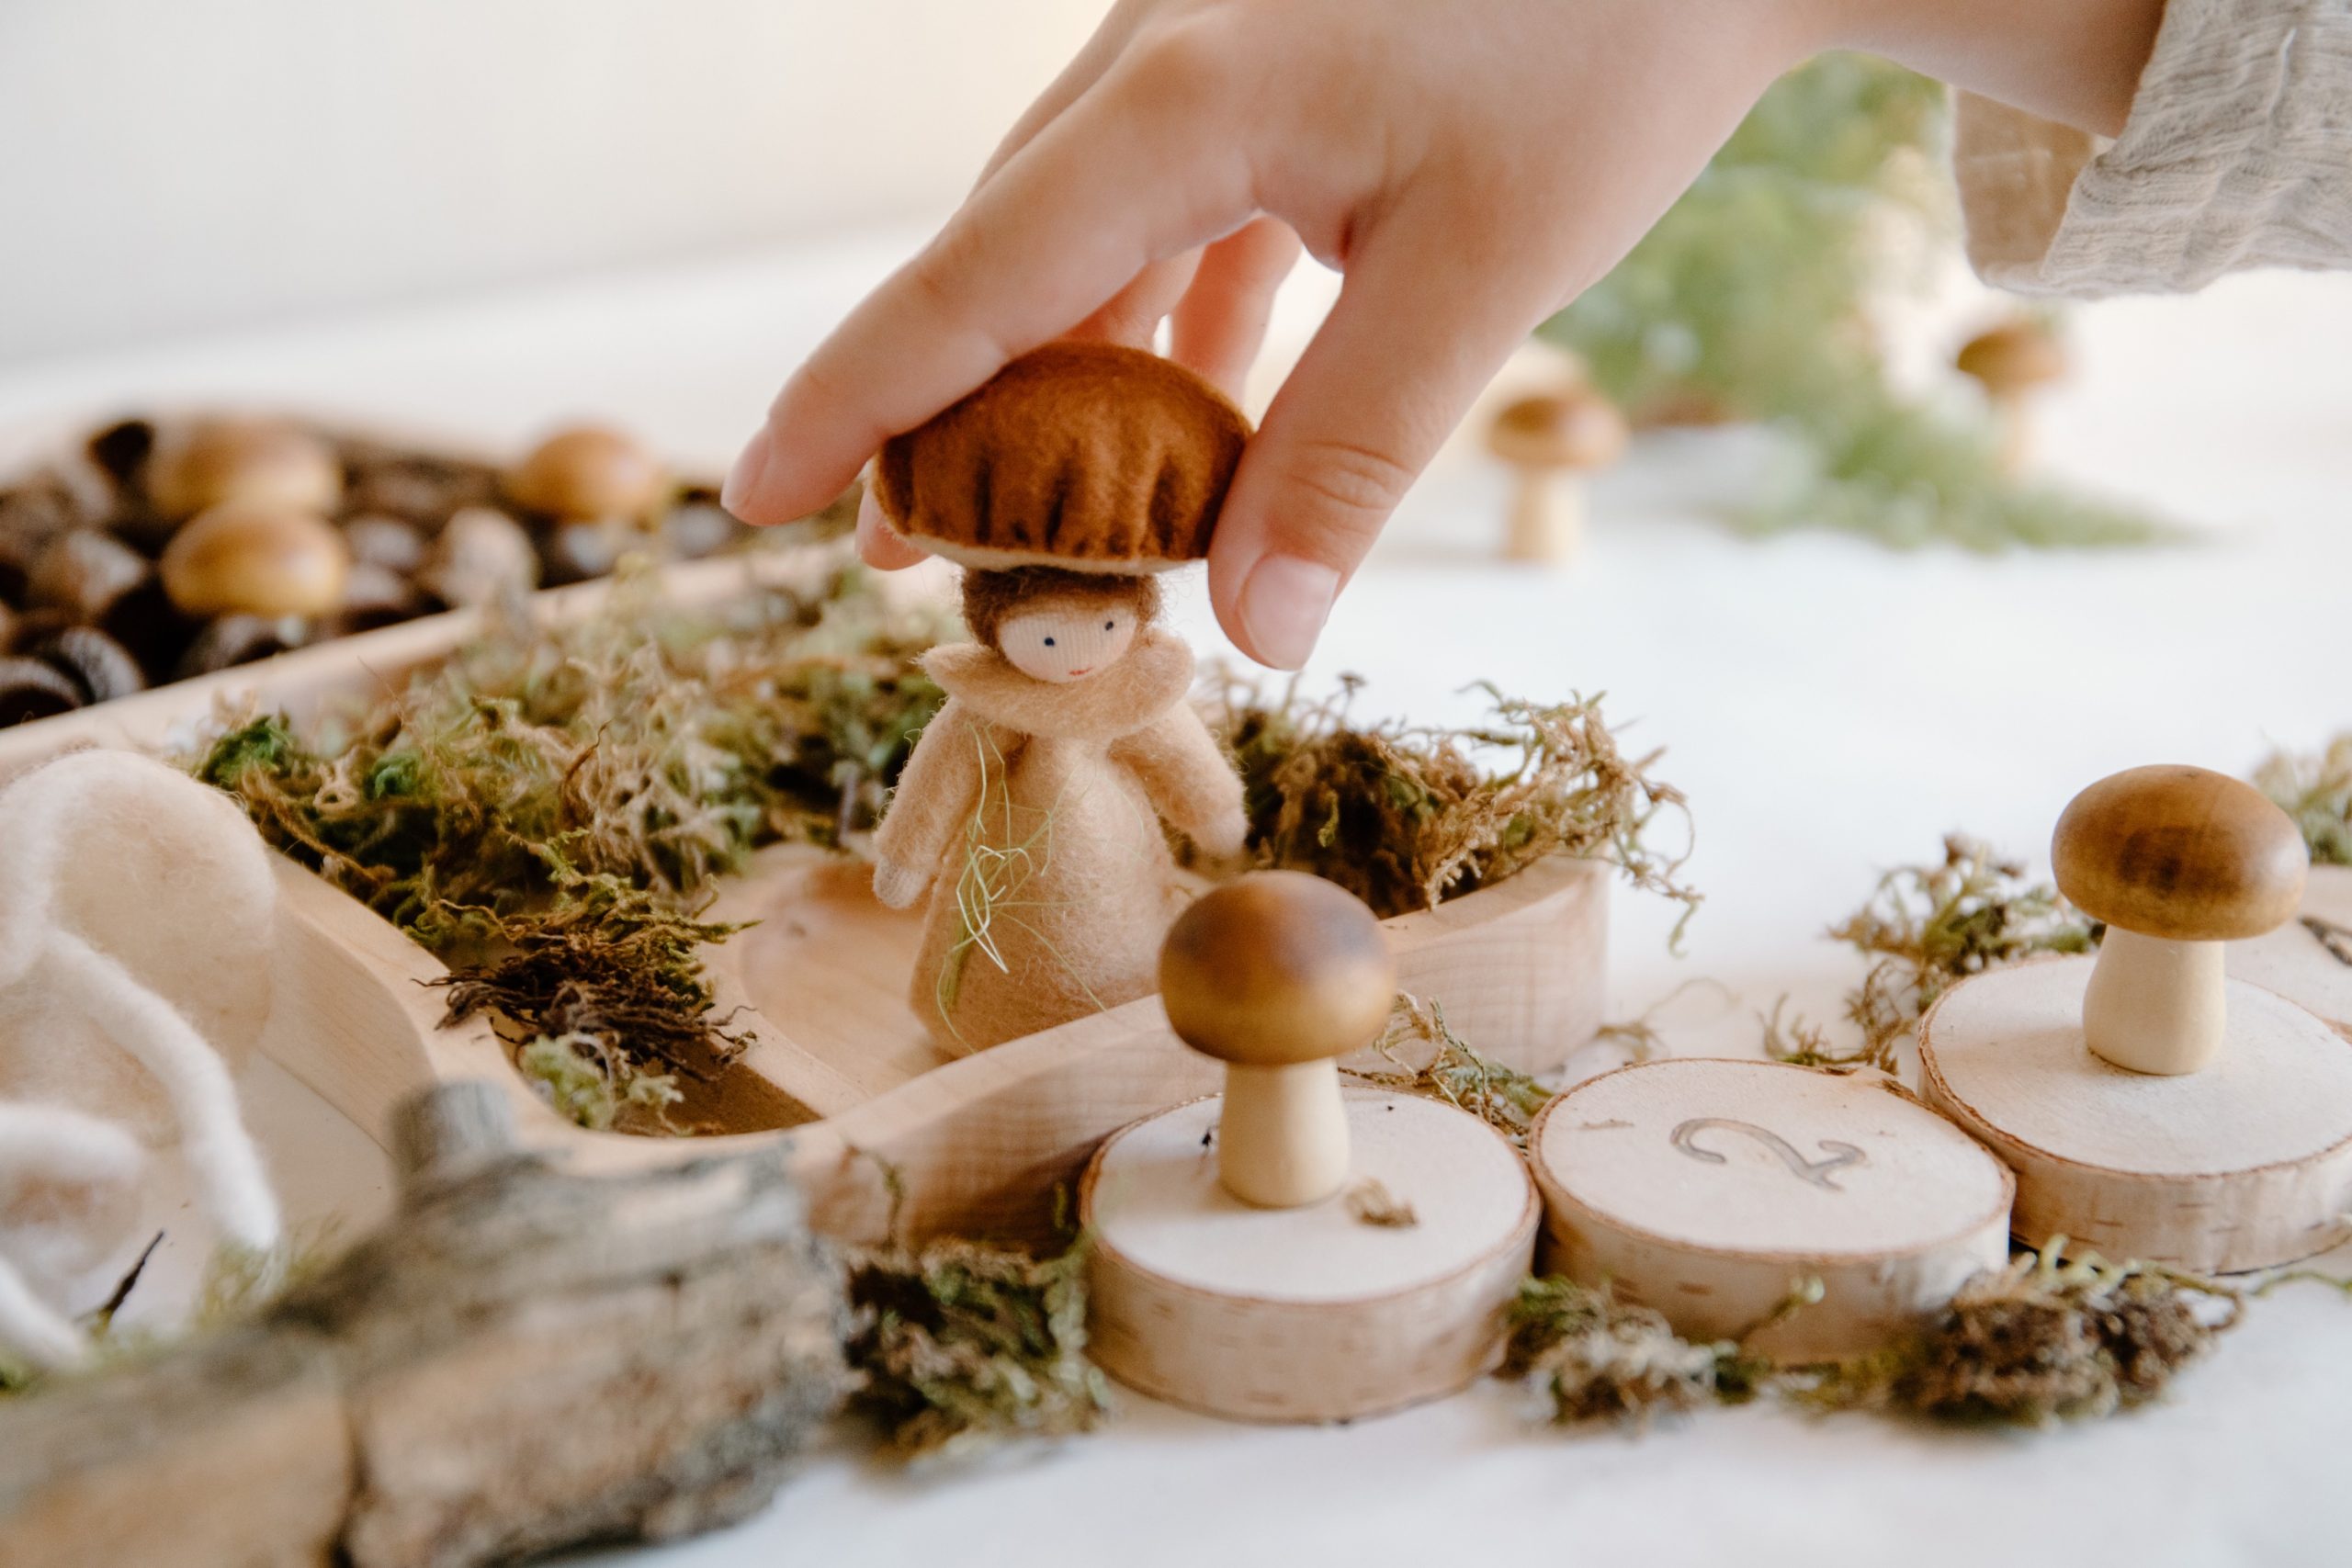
{"x": 169, "y": 550}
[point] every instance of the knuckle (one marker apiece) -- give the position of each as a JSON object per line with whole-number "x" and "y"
{"x": 1184, "y": 71}
{"x": 1358, "y": 485}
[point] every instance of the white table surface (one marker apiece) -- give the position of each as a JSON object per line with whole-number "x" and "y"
{"x": 1831, "y": 708}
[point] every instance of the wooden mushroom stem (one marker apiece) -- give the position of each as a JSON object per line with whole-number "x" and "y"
{"x": 1547, "y": 512}
{"x": 2154, "y": 1005}
{"x": 1283, "y": 1140}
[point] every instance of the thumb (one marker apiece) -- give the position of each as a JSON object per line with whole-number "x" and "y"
{"x": 1420, "y": 328}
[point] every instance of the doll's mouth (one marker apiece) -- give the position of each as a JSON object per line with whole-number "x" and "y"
{"x": 1076, "y": 674}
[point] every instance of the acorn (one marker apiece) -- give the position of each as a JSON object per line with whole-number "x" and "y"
{"x": 257, "y": 557}
{"x": 239, "y": 639}
{"x": 589, "y": 471}
{"x": 261, "y": 461}
{"x": 481, "y": 556}
{"x": 84, "y": 573}
{"x": 387, "y": 542}
{"x": 30, "y": 690}
{"x": 100, "y": 666}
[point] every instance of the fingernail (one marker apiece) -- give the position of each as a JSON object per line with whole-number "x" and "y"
{"x": 1284, "y": 603}
{"x": 744, "y": 479}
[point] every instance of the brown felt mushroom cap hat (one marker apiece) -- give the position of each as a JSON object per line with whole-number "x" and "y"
{"x": 1086, "y": 456}
{"x": 1274, "y": 969}
{"x": 2181, "y": 853}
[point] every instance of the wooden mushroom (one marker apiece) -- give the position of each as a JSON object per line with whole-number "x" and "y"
{"x": 2177, "y": 861}
{"x": 1553, "y": 440}
{"x": 2012, "y": 362}
{"x": 261, "y": 461}
{"x": 1225, "y": 1277}
{"x": 257, "y": 557}
{"x": 2151, "y": 1106}
{"x": 588, "y": 472}
{"x": 1277, "y": 975}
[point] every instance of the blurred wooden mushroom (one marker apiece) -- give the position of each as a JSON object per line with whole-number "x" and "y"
{"x": 1553, "y": 439}
{"x": 479, "y": 556}
{"x": 1278, "y": 974}
{"x": 2012, "y": 362}
{"x": 261, "y": 461}
{"x": 257, "y": 557}
{"x": 588, "y": 472}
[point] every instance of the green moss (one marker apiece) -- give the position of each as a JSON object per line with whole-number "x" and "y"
{"x": 1748, "y": 300}
{"x": 2316, "y": 790}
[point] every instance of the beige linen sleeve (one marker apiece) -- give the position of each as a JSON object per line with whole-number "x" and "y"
{"x": 2237, "y": 154}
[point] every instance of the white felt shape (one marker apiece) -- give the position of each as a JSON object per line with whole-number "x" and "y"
{"x": 137, "y": 908}
{"x": 69, "y": 1197}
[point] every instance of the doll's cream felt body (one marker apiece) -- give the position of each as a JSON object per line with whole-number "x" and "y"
{"x": 1032, "y": 806}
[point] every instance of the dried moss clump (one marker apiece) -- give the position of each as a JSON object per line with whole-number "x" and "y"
{"x": 2046, "y": 1339}
{"x": 2316, "y": 790}
{"x": 1430, "y": 1059}
{"x": 962, "y": 1345}
{"x": 1405, "y": 817}
{"x": 1930, "y": 926}
{"x": 549, "y": 809}
{"x": 1589, "y": 1355}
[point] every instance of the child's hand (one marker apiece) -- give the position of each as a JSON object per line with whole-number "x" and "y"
{"x": 1471, "y": 165}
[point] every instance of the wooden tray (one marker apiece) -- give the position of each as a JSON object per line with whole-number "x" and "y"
{"x": 840, "y": 1065}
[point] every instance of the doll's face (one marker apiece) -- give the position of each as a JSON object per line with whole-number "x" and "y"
{"x": 1065, "y": 640}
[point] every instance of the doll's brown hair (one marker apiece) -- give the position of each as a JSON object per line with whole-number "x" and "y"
{"x": 990, "y": 598}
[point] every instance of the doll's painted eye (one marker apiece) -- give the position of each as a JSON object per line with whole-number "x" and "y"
{"x": 1108, "y": 625}
{"x": 1049, "y": 642}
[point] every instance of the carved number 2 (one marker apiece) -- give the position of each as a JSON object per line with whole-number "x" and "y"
{"x": 1814, "y": 1171}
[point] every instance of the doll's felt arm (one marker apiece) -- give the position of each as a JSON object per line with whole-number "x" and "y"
{"x": 934, "y": 798}
{"x": 1188, "y": 779}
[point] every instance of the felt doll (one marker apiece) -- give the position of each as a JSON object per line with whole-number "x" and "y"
{"x": 1032, "y": 808}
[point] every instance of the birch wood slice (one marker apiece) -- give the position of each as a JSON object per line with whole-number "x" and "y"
{"x": 2308, "y": 960}
{"x": 1309, "y": 1314}
{"x": 2243, "y": 1165}
{"x": 1708, "y": 1189}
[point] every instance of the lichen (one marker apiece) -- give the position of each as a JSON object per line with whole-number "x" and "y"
{"x": 1430, "y": 1059}
{"x": 1405, "y": 817}
{"x": 1586, "y": 1356}
{"x": 1929, "y": 926}
{"x": 2316, "y": 790}
{"x": 2047, "y": 1338}
{"x": 960, "y": 1346}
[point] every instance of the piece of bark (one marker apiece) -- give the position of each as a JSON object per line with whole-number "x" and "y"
{"x": 521, "y": 1359}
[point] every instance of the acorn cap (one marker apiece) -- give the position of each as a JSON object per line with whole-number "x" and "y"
{"x": 2011, "y": 358}
{"x": 1086, "y": 456}
{"x": 266, "y": 460}
{"x": 1274, "y": 969}
{"x": 1574, "y": 428}
{"x": 255, "y": 558}
{"x": 2181, "y": 853}
{"x": 590, "y": 471}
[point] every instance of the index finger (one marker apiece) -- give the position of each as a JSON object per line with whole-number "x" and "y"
{"x": 1135, "y": 171}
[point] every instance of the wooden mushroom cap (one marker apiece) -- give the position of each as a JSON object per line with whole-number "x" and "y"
{"x": 1576, "y": 428}
{"x": 2011, "y": 358}
{"x": 255, "y": 558}
{"x": 259, "y": 461}
{"x": 1087, "y": 456}
{"x": 590, "y": 471}
{"x": 2181, "y": 853}
{"x": 1276, "y": 969}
